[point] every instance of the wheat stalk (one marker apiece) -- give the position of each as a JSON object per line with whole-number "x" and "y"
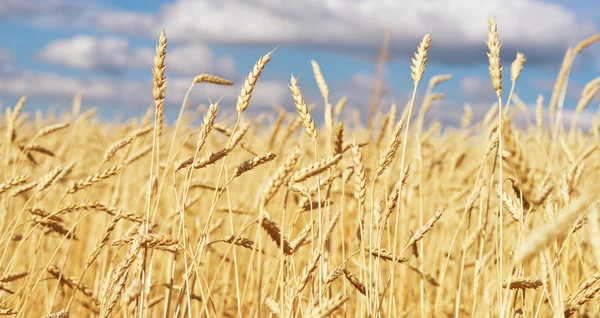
{"x": 307, "y": 121}
{"x": 159, "y": 81}
{"x": 246, "y": 92}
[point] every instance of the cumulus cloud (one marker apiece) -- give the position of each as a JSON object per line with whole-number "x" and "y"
{"x": 110, "y": 54}
{"x": 7, "y": 61}
{"x": 357, "y": 88}
{"x": 265, "y": 94}
{"x": 585, "y": 120}
{"x": 136, "y": 93}
{"x": 542, "y": 30}
{"x": 451, "y": 112}
{"x": 193, "y": 59}
{"x": 56, "y": 87}
{"x": 480, "y": 88}
{"x": 572, "y": 95}
{"x": 135, "y": 22}
{"x": 477, "y": 87}
{"x": 117, "y": 54}
{"x": 46, "y": 12}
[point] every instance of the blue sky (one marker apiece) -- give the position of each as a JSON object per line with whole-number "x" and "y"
{"x": 51, "y": 49}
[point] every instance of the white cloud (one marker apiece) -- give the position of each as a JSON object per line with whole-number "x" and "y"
{"x": 585, "y": 120}
{"x": 477, "y": 87}
{"x": 44, "y": 12}
{"x": 60, "y": 87}
{"x": 451, "y": 113}
{"x": 55, "y": 87}
{"x": 7, "y": 61}
{"x": 90, "y": 53}
{"x": 136, "y": 22}
{"x": 573, "y": 92}
{"x": 265, "y": 94}
{"x": 358, "y": 90}
{"x": 117, "y": 54}
{"x": 541, "y": 30}
{"x": 194, "y": 59}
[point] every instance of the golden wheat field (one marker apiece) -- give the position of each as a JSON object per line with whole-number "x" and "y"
{"x": 275, "y": 216}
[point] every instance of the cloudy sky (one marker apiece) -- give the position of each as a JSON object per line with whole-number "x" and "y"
{"x": 52, "y": 49}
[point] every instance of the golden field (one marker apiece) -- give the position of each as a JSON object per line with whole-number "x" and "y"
{"x": 274, "y": 216}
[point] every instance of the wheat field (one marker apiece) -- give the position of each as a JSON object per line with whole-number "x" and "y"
{"x": 227, "y": 215}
